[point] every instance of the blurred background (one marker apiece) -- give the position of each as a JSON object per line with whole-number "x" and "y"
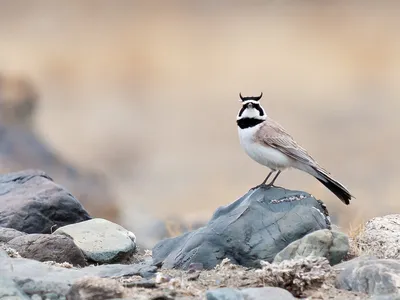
{"x": 132, "y": 104}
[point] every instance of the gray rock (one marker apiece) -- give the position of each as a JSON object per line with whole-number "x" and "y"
{"x": 369, "y": 275}
{"x": 249, "y": 294}
{"x": 94, "y": 288}
{"x": 267, "y": 293}
{"x": 10, "y": 291}
{"x": 34, "y": 277}
{"x": 31, "y": 202}
{"x": 386, "y": 297}
{"x": 380, "y": 237}
{"x": 255, "y": 227}
{"x": 101, "y": 240}
{"x": 7, "y": 234}
{"x": 333, "y": 245}
{"x": 224, "y": 294}
{"x": 47, "y": 247}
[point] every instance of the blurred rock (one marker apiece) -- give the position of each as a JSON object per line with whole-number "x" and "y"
{"x": 249, "y": 294}
{"x": 94, "y": 288}
{"x": 333, "y": 245}
{"x": 380, "y": 237}
{"x": 7, "y": 234}
{"x": 18, "y": 100}
{"x": 31, "y": 202}
{"x": 369, "y": 275}
{"x": 100, "y": 240}
{"x": 255, "y": 227}
{"x": 34, "y": 277}
{"x": 21, "y": 148}
{"x": 47, "y": 247}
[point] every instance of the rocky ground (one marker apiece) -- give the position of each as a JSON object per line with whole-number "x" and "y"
{"x": 269, "y": 244}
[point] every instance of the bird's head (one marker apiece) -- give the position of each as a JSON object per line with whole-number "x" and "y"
{"x": 251, "y": 108}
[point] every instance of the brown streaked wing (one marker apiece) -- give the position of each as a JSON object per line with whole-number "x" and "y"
{"x": 274, "y": 135}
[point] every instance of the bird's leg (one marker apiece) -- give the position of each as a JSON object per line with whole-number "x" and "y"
{"x": 273, "y": 180}
{"x": 265, "y": 180}
{"x": 263, "y": 184}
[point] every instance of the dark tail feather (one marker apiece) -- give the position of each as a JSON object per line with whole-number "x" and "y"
{"x": 334, "y": 186}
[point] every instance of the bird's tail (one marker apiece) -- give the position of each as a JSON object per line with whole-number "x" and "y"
{"x": 333, "y": 185}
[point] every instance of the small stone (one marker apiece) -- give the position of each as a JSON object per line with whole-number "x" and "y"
{"x": 224, "y": 294}
{"x": 94, "y": 288}
{"x": 332, "y": 245}
{"x": 195, "y": 267}
{"x": 193, "y": 276}
{"x": 161, "y": 278}
{"x": 249, "y": 294}
{"x": 266, "y": 293}
{"x": 100, "y": 240}
{"x": 47, "y": 247}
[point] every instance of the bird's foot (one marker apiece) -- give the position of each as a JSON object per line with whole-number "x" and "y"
{"x": 263, "y": 186}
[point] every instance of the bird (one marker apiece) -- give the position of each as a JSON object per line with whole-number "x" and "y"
{"x": 268, "y": 143}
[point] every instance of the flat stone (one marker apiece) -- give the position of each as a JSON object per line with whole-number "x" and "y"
{"x": 386, "y": 297}
{"x": 31, "y": 202}
{"x": 224, "y": 294}
{"x": 255, "y": 227}
{"x": 267, "y": 293}
{"x": 100, "y": 240}
{"x": 249, "y": 294}
{"x": 48, "y": 247}
{"x": 34, "y": 277}
{"x": 369, "y": 275}
{"x": 332, "y": 245}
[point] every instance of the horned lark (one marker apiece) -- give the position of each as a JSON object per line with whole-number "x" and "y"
{"x": 270, "y": 145}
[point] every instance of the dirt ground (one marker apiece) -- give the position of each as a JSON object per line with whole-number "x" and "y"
{"x": 193, "y": 284}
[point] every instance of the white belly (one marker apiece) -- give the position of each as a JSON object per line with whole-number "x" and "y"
{"x": 264, "y": 155}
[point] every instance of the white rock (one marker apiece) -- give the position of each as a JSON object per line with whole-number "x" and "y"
{"x": 101, "y": 240}
{"x": 380, "y": 237}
